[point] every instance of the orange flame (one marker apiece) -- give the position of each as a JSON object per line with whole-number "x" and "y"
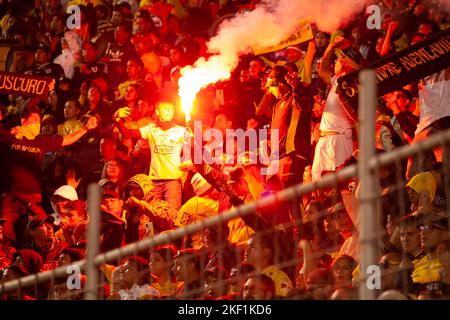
{"x": 194, "y": 78}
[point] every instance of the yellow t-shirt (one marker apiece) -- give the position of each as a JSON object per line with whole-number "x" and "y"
{"x": 69, "y": 127}
{"x": 196, "y": 208}
{"x": 426, "y": 270}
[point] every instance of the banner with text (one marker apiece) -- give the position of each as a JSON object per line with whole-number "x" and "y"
{"x": 25, "y": 85}
{"x": 404, "y": 67}
{"x": 302, "y": 32}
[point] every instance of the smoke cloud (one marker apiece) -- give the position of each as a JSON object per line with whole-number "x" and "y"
{"x": 445, "y": 4}
{"x": 265, "y": 26}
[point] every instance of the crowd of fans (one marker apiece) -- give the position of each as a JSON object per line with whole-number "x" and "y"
{"x": 113, "y": 118}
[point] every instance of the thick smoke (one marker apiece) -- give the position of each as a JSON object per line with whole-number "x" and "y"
{"x": 265, "y": 26}
{"x": 274, "y": 19}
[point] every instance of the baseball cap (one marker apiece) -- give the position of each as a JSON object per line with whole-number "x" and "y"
{"x": 108, "y": 194}
{"x": 2, "y": 220}
{"x": 43, "y": 47}
{"x": 37, "y": 221}
{"x": 66, "y": 192}
{"x": 106, "y": 184}
{"x": 406, "y": 92}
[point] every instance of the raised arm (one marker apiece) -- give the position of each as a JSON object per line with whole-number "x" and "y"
{"x": 325, "y": 66}
{"x": 119, "y": 116}
{"x": 386, "y": 48}
{"x": 309, "y": 57}
{"x": 92, "y": 123}
{"x": 325, "y": 71}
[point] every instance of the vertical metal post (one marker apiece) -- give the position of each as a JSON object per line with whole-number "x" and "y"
{"x": 369, "y": 182}
{"x": 93, "y": 233}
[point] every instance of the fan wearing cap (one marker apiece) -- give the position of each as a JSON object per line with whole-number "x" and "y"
{"x": 291, "y": 117}
{"x": 204, "y": 204}
{"x": 432, "y": 272}
{"x": 228, "y": 180}
{"x": 43, "y": 241}
{"x": 43, "y": 65}
{"x": 113, "y": 221}
{"x": 60, "y": 198}
{"x": 240, "y": 184}
{"x": 335, "y": 144}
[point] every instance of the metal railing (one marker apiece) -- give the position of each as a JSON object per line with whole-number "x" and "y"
{"x": 370, "y": 231}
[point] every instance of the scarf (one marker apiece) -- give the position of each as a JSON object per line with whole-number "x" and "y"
{"x": 28, "y": 131}
{"x": 165, "y": 125}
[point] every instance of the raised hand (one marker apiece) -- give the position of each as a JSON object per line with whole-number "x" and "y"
{"x": 72, "y": 179}
{"x": 92, "y": 123}
{"x": 122, "y": 113}
{"x": 132, "y": 202}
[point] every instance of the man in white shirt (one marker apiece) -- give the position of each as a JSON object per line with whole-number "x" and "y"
{"x": 335, "y": 144}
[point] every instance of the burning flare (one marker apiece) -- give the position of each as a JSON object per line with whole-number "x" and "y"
{"x": 265, "y": 26}
{"x": 203, "y": 73}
